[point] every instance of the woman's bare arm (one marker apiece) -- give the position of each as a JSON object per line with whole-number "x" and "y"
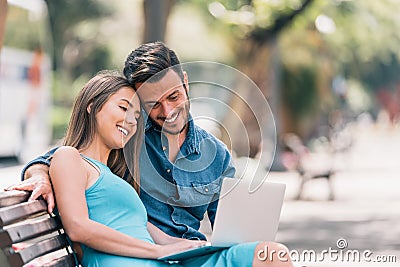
{"x": 69, "y": 178}
{"x": 160, "y": 237}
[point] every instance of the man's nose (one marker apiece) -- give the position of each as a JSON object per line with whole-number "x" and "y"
{"x": 130, "y": 118}
{"x": 167, "y": 109}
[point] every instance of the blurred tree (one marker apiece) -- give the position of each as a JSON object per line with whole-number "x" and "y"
{"x": 65, "y": 16}
{"x": 344, "y": 40}
{"x": 156, "y": 13}
{"x": 3, "y": 16}
{"x": 256, "y": 26}
{"x": 26, "y": 29}
{"x": 299, "y": 95}
{"x": 293, "y": 49}
{"x": 77, "y": 52}
{"x": 366, "y": 40}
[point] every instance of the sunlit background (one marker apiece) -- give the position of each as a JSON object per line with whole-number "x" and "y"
{"x": 311, "y": 59}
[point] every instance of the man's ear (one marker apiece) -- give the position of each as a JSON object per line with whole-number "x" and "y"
{"x": 89, "y": 108}
{"x": 186, "y": 81}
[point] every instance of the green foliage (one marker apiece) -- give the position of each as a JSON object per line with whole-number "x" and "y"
{"x": 366, "y": 39}
{"x": 24, "y": 30}
{"x": 77, "y": 53}
{"x": 363, "y": 45}
{"x": 299, "y": 90}
{"x": 97, "y": 58}
{"x": 59, "y": 120}
{"x": 66, "y": 15}
{"x": 355, "y": 39}
{"x": 64, "y": 93}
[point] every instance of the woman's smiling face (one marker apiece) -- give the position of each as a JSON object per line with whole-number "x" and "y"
{"x": 117, "y": 119}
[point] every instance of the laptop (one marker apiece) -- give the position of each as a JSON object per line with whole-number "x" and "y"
{"x": 244, "y": 215}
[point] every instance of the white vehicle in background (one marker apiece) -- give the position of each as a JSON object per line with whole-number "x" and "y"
{"x": 25, "y": 81}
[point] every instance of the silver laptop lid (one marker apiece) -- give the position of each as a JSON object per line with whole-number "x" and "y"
{"x": 245, "y": 214}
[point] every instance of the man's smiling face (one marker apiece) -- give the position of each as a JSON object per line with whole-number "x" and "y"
{"x": 166, "y": 102}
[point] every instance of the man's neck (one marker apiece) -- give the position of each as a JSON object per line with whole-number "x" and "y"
{"x": 175, "y": 142}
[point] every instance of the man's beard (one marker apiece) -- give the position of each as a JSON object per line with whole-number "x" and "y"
{"x": 184, "y": 112}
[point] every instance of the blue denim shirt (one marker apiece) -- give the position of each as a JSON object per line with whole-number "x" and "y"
{"x": 178, "y": 194}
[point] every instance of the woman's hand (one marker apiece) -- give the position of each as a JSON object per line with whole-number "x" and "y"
{"x": 165, "y": 250}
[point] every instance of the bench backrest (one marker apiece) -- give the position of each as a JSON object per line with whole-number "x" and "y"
{"x": 29, "y": 234}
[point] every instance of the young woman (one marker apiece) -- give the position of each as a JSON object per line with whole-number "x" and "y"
{"x": 103, "y": 212}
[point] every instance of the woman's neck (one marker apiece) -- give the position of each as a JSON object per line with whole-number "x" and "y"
{"x": 97, "y": 151}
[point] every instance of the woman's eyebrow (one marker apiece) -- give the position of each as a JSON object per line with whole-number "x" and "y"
{"x": 127, "y": 101}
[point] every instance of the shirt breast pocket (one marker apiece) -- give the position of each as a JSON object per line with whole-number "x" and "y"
{"x": 206, "y": 193}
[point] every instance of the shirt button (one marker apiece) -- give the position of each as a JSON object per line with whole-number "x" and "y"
{"x": 164, "y": 148}
{"x": 206, "y": 189}
{"x": 168, "y": 170}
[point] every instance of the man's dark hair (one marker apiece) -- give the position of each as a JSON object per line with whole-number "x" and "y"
{"x": 148, "y": 60}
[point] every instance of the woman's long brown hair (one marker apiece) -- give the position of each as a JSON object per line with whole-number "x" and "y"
{"x": 82, "y": 125}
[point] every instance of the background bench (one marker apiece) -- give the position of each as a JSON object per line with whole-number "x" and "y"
{"x": 307, "y": 172}
{"x": 29, "y": 235}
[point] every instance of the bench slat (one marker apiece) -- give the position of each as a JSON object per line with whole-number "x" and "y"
{"x": 29, "y": 222}
{"x": 24, "y": 256}
{"x": 21, "y": 211}
{"x": 67, "y": 260}
{"x": 8, "y": 198}
{"x": 22, "y": 232}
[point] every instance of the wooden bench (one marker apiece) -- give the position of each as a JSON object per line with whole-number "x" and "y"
{"x": 29, "y": 235}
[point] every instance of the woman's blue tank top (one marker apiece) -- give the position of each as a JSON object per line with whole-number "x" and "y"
{"x": 113, "y": 202}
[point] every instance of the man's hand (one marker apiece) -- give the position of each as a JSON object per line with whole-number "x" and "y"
{"x": 37, "y": 180}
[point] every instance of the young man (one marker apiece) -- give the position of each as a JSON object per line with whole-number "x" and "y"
{"x": 182, "y": 165}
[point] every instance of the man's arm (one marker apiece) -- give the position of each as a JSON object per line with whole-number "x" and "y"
{"x": 29, "y": 168}
{"x": 35, "y": 178}
{"x": 228, "y": 172}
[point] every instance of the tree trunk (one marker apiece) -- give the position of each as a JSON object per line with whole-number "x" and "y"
{"x": 258, "y": 58}
{"x": 57, "y": 40}
{"x": 156, "y": 14}
{"x": 259, "y": 63}
{"x": 3, "y": 17}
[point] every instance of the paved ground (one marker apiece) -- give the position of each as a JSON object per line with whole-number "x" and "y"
{"x": 365, "y": 213}
{"x": 9, "y": 175}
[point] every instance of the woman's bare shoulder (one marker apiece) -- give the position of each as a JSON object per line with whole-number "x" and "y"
{"x": 67, "y": 154}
